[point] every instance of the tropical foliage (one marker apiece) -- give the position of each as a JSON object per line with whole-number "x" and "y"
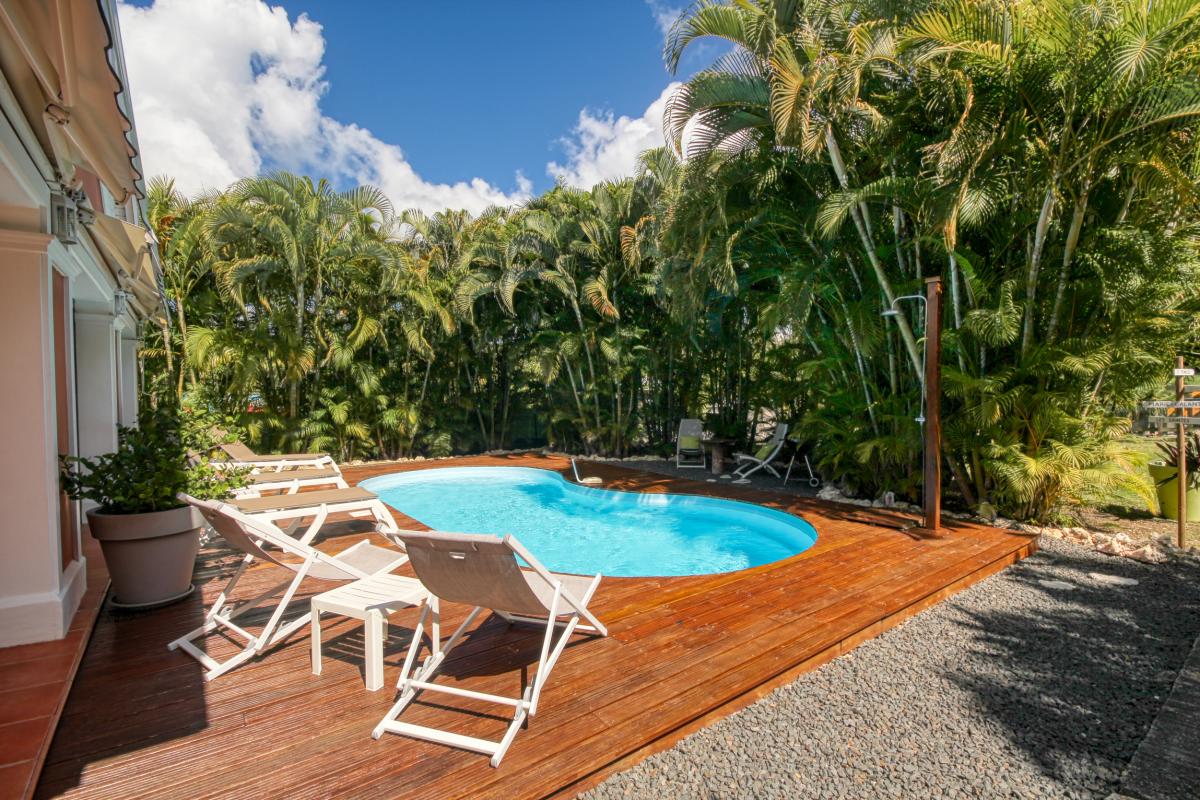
{"x": 1040, "y": 156}
{"x": 149, "y": 469}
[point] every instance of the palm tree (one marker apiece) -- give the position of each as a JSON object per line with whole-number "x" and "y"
{"x": 1098, "y": 89}
{"x": 281, "y": 236}
{"x": 796, "y": 75}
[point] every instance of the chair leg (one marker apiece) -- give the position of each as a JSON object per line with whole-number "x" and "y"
{"x": 744, "y": 474}
{"x": 374, "y": 632}
{"x": 405, "y": 684}
{"x": 523, "y": 708}
{"x": 315, "y": 635}
{"x": 254, "y": 644}
{"x": 514, "y": 728}
{"x": 315, "y": 527}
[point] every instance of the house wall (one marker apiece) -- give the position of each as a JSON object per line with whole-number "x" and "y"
{"x": 44, "y": 412}
{"x": 38, "y": 592}
{"x": 42, "y": 570}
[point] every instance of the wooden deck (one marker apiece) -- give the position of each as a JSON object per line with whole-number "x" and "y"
{"x": 35, "y": 680}
{"x": 141, "y": 722}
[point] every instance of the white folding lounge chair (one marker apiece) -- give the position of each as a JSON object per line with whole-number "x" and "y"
{"x": 260, "y": 540}
{"x": 290, "y": 481}
{"x": 762, "y": 457}
{"x": 688, "y": 450}
{"x": 242, "y": 455}
{"x": 295, "y": 508}
{"x": 482, "y": 571}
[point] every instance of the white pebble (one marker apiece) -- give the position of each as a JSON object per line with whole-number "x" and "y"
{"x": 1112, "y": 580}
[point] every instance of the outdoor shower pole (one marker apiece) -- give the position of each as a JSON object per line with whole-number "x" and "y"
{"x": 933, "y": 405}
{"x": 1181, "y": 460}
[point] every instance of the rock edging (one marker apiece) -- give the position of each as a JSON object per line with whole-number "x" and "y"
{"x": 1159, "y": 551}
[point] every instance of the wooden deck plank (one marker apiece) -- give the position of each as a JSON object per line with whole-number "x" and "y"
{"x": 141, "y": 722}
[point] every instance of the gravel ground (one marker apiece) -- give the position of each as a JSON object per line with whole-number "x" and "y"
{"x": 1008, "y": 689}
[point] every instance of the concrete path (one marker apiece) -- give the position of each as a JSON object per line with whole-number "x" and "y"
{"x": 1166, "y": 765}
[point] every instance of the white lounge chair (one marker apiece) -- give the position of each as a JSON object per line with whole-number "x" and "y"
{"x": 689, "y": 452}
{"x": 317, "y": 506}
{"x": 290, "y": 481}
{"x": 482, "y": 571}
{"x": 259, "y": 539}
{"x": 762, "y": 457}
{"x": 242, "y": 455}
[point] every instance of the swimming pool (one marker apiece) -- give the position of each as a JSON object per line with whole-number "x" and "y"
{"x": 573, "y": 528}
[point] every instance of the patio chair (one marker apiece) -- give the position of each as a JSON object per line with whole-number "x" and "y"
{"x": 261, "y": 540}
{"x": 242, "y": 455}
{"x": 688, "y": 451}
{"x": 290, "y": 481}
{"x": 482, "y": 571}
{"x": 762, "y": 457}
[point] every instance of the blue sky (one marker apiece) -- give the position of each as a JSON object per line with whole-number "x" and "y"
{"x": 438, "y": 77}
{"x": 439, "y": 103}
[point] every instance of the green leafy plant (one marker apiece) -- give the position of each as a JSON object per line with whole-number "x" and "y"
{"x": 722, "y": 427}
{"x": 837, "y": 155}
{"x": 149, "y": 469}
{"x": 204, "y": 429}
{"x": 1191, "y": 453}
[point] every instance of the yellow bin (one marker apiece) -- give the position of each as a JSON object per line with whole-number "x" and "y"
{"x": 1167, "y": 487}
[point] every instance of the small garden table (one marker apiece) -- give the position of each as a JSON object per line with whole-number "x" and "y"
{"x": 372, "y": 600}
{"x": 718, "y": 450}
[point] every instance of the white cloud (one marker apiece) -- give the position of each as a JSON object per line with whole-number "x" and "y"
{"x": 665, "y": 14}
{"x": 222, "y": 87}
{"x": 603, "y": 147}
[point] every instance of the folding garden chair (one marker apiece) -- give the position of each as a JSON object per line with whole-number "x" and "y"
{"x": 482, "y": 571}
{"x": 688, "y": 450}
{"x": 259, "y": 539}
{"x": 762, "y": 457}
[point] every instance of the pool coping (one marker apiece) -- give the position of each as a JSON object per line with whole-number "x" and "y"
{"x": 571, "y": 485}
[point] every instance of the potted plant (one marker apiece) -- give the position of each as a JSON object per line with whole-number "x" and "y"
{"x": 149, "y": 537}
{"x": 1167, "y": 484}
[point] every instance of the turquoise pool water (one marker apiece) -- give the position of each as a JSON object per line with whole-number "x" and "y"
{"x": 580, "y": 529}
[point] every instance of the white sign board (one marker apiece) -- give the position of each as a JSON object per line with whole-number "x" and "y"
{"x": 1178, "y": 405}
{"x": 1175, "y": 420}
{"x": 1183, "y": 372}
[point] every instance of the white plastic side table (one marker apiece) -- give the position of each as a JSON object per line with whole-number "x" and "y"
{"x": 372, "y": 600}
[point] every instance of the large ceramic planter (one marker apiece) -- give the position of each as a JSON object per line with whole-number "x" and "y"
{"x": 1167, "y": 487}
{"x": 149, "y": 556}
